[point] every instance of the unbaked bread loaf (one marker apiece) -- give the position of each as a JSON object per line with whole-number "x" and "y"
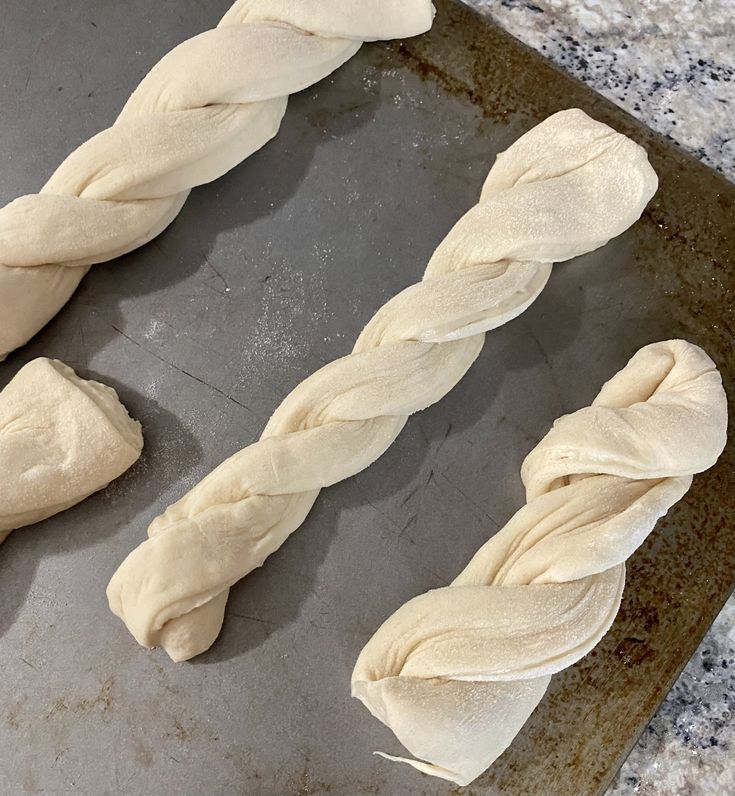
{"x": 207, "y": 105}
{"x": 564, "y": 188}
{"x": 456, "y": 672}
{"x": 61, "y": 438}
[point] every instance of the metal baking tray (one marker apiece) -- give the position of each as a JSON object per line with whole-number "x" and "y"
{"x": 267, "y": 274}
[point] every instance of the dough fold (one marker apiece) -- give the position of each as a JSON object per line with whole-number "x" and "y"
{"x": 61, "y": 439}
{"x": 566, "y": 187}
{"x": 206, "y": 106}
{"x": 456, "y": 672}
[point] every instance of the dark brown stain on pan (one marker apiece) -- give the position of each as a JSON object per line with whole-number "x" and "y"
{"x": 684, "y": 245}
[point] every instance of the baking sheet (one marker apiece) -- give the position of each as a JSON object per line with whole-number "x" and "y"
{"x": 267, "y": 274}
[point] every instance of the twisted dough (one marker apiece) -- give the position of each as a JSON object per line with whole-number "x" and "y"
{"x": 564, "y": 188}
{"x": 207, "y": 105}
{"x": 456, "y": 672}
{"x": 61, "y": 438}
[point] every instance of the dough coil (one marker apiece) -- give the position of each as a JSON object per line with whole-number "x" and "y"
{"x": 456, "y": 672}
{"x": 564, "y": 188}
{"x": 203, "y": 108}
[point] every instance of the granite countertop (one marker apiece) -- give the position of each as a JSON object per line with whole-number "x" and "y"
{"x": 672, "y": 65}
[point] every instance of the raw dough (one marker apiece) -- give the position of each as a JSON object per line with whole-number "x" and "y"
{"x": 564, "y": 188}
{"x": 456, "y": 672}
{"x": 207, "y": 105}
{"x": 61, "y": 438}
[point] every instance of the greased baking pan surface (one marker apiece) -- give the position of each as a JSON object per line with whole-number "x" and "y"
{"x": 267, "y": 274}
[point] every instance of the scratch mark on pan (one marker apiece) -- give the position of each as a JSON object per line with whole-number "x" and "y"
{"x": 185, "y": 372}
{"x": 209, "y": 287}
{"x": 223, "y": 280}
{"x": 410, "y": 495}
{"x": 380, "y": 511}
{"x": 547, "y": 361}
{"x": 84, "y": 342}
{"x": 58, "y": 756}
{"x": 413, "y": 519}
{"x": 470, "y": 500}
{"x": 252, "y": 618}
{"x": 444, "y": 439}
{"x": 40, "y": 44}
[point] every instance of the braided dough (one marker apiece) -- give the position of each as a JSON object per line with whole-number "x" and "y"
{"x": 207, "y": 105}
{"x": 456, "y": 672}
{"x": 61, "y": 439}
{"x": 564, "y": 188}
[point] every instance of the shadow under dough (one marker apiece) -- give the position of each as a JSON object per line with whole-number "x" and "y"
{"x": 170, "y": 450}
{"x": 404, "y": 464}
{"x": 100, "y": 516}
{"x": 254, "y": 189}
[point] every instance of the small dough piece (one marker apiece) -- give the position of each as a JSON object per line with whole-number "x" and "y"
{"x": 456, "y": 672}
{"x": 61, "y": 439}
{"x": 203, "y": 108}
{"x": 565, "y": 188}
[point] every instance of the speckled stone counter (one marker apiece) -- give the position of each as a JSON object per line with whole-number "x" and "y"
{"x": 672, "y": 65}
